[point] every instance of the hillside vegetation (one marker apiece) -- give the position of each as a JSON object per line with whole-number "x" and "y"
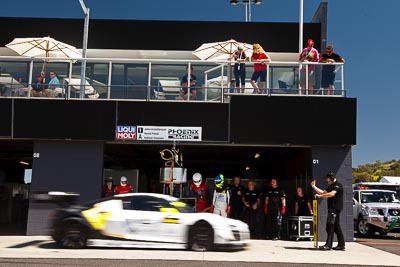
{"x": 372, "y": 172}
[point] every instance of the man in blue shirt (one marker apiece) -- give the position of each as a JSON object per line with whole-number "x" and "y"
{"x": 53, "y": 84}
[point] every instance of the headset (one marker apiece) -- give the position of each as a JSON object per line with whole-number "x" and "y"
{"x": 331, "y": 176}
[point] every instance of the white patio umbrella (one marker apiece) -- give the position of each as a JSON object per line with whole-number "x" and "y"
{"x": 45, "y": 47}
{"x": 221, "y": 50}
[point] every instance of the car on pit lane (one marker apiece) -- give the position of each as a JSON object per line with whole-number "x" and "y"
{"x": 145, "y": 220}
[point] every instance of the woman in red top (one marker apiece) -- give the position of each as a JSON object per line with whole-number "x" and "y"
{"x": 260, "y": 68}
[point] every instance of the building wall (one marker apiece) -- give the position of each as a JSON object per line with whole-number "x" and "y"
{"x": 327, "y": 125}
{"x": 291, "y": 121}
{"x": 65, "y": 166}
{"x": 276, "y": 37}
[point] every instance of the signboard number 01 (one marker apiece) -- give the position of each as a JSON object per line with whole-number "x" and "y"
{"x": 315, "y": 161}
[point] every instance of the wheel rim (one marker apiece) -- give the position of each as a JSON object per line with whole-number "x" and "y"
{"x": 363, "y": 227}
{"x": 201, "y": 238}
{"x": 74, "y": 239}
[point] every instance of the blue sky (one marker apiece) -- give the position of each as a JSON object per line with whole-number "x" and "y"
{"x": 364, "y": 32}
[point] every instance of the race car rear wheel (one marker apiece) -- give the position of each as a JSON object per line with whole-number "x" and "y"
{"x": 201, "y": 236}
{"x": 74, "y": 236}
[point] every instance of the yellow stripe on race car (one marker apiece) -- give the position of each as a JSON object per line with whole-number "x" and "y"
{"x": 171, "y": 220}
{"x": 168, "y": 210}
{"x": 96, "y": 217}
{"x": 178, "y": 204}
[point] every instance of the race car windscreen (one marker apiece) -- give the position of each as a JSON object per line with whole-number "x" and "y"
{"x": 183, "y": 205}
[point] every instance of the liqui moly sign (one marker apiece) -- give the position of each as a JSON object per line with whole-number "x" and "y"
{"x": 125, "y": 133}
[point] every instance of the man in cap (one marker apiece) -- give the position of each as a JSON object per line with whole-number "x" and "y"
{"x": 328, "y": 70}
{"x": 38, "y": 86}
{"x": 309, "y": 54}
{"x": 334, "y": 194}
{"x": 124, "y": 187}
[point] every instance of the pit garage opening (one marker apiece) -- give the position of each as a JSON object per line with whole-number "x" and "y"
{"x": 291, "y": 165}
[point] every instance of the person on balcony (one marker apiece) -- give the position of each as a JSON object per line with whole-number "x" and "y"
{"x": 260, "y": 68}
{"x": 38, "y": 87}
{"x": 54, "y": 83}
{"x": 309, "y": 54}
{"x": 185, "y": 81}
{"x": 329, "y": 70}
{"x": 239, "y": 69}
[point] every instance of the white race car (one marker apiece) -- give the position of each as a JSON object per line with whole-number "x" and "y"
{"x": 145, "y": 220}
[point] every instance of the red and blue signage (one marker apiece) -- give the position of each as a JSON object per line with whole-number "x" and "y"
{"x": 125, "y": 132}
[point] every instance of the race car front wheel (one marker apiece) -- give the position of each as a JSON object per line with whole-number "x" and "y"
{"x": 201, "y": 236}
{"x": 74, "y": 236}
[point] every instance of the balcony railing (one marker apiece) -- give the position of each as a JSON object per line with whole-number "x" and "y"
{"x": 160, "y": 80}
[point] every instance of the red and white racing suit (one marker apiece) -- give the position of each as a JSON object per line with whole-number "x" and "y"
{"x": 200, "y": 193}
{"x": 120, "y": 189}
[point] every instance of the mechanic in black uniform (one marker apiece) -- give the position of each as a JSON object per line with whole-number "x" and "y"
{"x": 251, "y": 201}
{"x": 302, "y": 204}
{"x": 236, "y": 203}
{"x": 275, "y": 208}
{"x": 334, "y": 194}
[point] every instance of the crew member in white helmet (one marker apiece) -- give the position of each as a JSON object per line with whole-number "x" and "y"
{"x": 199, "y": 190}
{"x": 123, "y": 187}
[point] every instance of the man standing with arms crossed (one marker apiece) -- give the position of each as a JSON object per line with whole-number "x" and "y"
{"x": 334, "y": 194}
{"x": 275, "y": 208}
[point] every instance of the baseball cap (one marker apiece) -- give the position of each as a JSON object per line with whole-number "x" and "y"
{"x": 310, "y": 42}
{"x": 39, "y": 75}
{"x": 241, "y": 47}
{"x": 331, "y": 175}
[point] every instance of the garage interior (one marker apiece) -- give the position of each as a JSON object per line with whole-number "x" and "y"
{"x": 289, "y": 164}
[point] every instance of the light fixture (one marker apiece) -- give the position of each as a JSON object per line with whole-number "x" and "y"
{"x": 247, "y": 168}
{"x": 24, "y": 162}
{"x": 247, "y": 4}
{"x": 257, "y": 155}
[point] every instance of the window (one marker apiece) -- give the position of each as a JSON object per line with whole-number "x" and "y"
{"x": 147, "y": 203}
{"x": 355, "y": 196}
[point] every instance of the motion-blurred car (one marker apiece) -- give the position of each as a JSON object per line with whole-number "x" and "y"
{"x": 145, "y": 220}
